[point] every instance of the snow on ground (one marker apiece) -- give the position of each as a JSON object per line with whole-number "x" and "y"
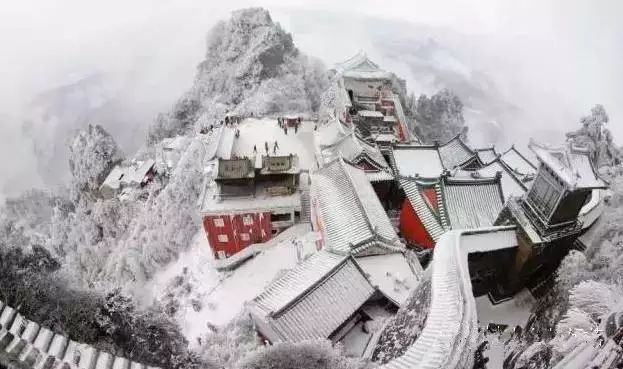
{"x": 392, "y": 274}
{"x": 494, "y": 351}
{"x": 514, "y": 312}
{"x": 257, "y": 132}
{"x": 204, "y": 296}
{"x": 356, "y": 340}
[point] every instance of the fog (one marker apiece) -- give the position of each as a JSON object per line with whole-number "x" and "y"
{"x": 551, "y": 60}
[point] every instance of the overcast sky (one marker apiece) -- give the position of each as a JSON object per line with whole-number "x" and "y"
{"x": 569, "y": 52}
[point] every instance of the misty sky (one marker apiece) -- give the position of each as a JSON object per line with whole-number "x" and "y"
{"x": 553, "y": 58}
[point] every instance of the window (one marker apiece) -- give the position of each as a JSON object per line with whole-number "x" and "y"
{"x": 244, "y": 236}
{"x": 218, "y": 222}
{"x": 544, "y": 193}
{"x": 247, "y": 220}
{"x": 223, "y": 238}
{"x": 280, "y": 217}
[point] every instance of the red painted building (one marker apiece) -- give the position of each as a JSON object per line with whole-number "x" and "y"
{"x": 249, "y": 204}
{"x": 434, "y": 206}
{"x": 230, "y": 233}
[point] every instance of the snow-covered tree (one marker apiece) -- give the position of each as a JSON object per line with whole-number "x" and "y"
{"x": 595, "y": 135}
{"x": 92, "y": 153}
{"x": 438, "y": 118}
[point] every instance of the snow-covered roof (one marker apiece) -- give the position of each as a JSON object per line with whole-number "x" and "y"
{"x": 464, "y": 203}
{"x": 176, "y": 143}
{"x": 361, "y": 67}
{"x": 511, "y": 184}
{"x": 429, "y": 216}
{"x": 455, "y": 153}
{"x": 284, "y": 164}
{"x": 379, "y": 176}
{"x": 384, "y": 137}
{"x": 352, "y": 216}
{"x": 312, "y": 300}
{"x": 259, "y": 132}
{"x": 417, "y": 160}
{"x": 392, "y": 275}
{"x": 330, "y": 133}
{"x": 370, "y": 114}
{"x": 389, "y": 118}
{"x": 237, "y": 168}
{"x": 133, "y": 174}
{"x": 355, "y": 150}
{"x": 487, "y": 154}
{"x": 571, "y": 164}
{"x": 450, "y": 334}
{"x": 471, "y": 203}
{"x": 518, "y": 163}
{"x": 113, "y": 180}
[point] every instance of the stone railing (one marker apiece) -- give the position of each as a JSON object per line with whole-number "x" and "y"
{"x": 32, "y": 346}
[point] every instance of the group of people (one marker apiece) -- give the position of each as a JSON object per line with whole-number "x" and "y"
{"x": 283, "y": 123}
{"x": 266, "y": 146}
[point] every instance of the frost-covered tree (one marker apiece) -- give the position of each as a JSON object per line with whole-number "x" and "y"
{"x": 92, "y": 153}
{"x": 164, "y": 226}
{"x": 595, "y": 135}
{"x": 439, "y": 117}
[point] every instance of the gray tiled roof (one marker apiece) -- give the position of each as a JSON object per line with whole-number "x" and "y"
{"x": 417, "y": 160}
{"x": 518, "y": 163}
{"x": 461, "y": 203}
{"x": 455, "y": 153}
{"x": 312, "y": 300}
{"x": 351, "y": 213}
{"x": 430, "y": 219}
{"x": 487, "y": 155}
{"x": 352, "y": 148}
{"x": 472, "y": 203}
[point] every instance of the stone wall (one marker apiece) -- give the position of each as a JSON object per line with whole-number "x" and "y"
{"x": 38, "y": 347}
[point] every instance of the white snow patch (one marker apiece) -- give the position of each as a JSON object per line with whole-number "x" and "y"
{"x": 392, "y": 275}
{"x": 494, "y": 351}
{"x": 514, "y": 312}
{"x": 222, "y": 295}
{"x": 257, "y": 132}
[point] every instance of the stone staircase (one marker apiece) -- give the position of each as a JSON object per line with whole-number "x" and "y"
{"x": 32, "y": 346}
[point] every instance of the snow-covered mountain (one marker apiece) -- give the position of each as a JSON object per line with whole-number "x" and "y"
{"x": 251, "y": 67}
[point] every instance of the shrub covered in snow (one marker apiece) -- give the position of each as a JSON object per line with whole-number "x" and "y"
{"x": 109, "y": 322}
{"x": 308, "y": 355}
{"x": 406, "y": 326}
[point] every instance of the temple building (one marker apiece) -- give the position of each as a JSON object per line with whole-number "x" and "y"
{"x": 248, "y": 204}
{"x": 350, "y": 220}
{"x": 431, "y": 207}
{"x": 369, "y": 99}
{"x": 335, "y": 141}
{"x": 548, "y": 215}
